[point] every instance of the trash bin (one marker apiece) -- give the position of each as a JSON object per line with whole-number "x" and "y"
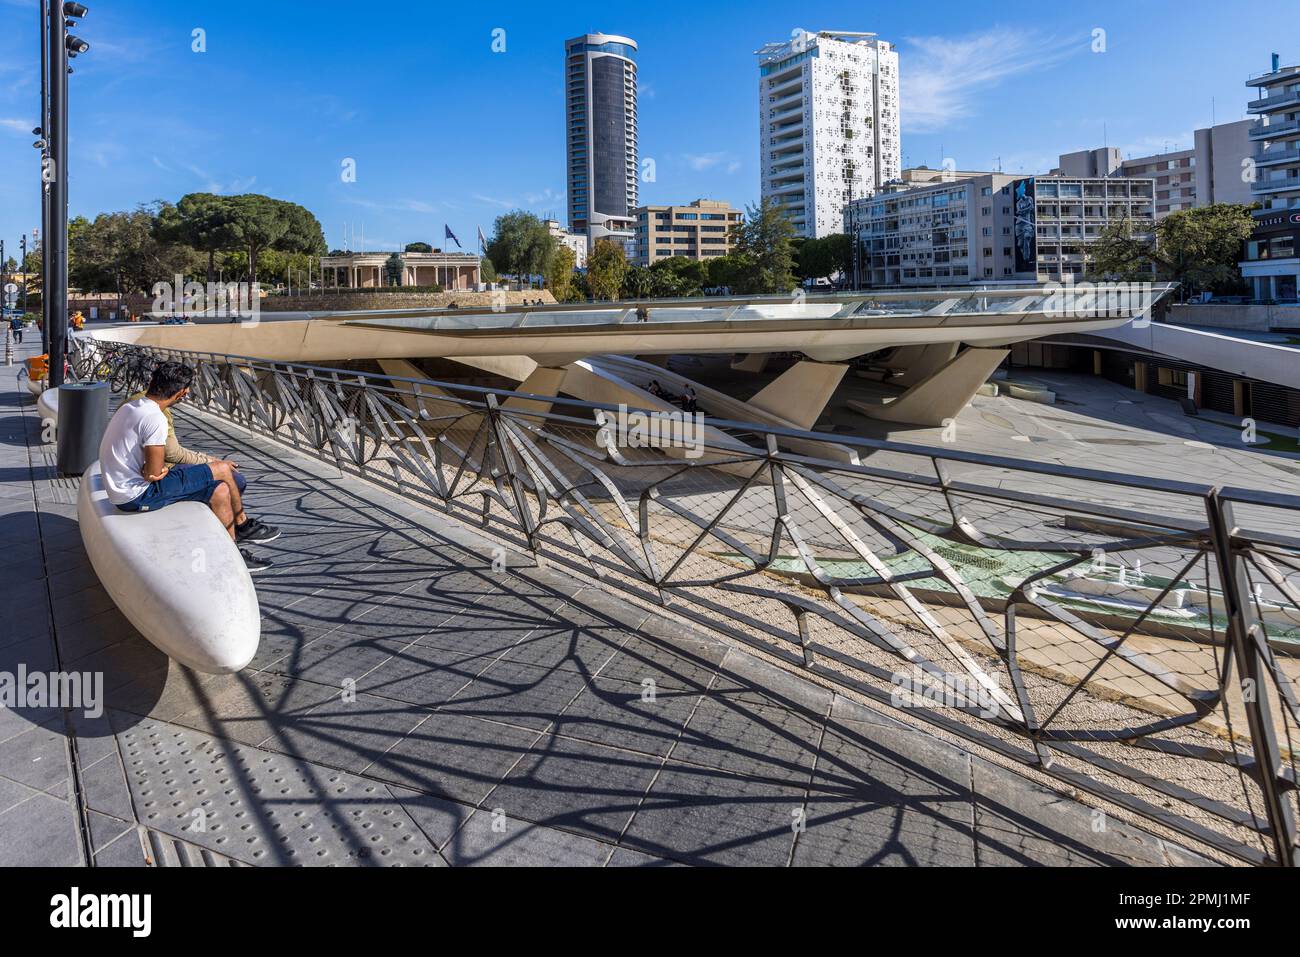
{"x": 83, "y": 416}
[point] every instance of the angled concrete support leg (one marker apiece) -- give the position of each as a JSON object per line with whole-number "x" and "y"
{"x": 801, "y": 392}
{"x": 542, "y": 381}
{"x": 753, "y": 362}
{"x": 919, "y": 361}
{"x": 941, "y": 394}
{"x": 424, "y": 398}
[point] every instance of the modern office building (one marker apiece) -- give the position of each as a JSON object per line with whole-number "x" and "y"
{"x": 940, "y": 227}
{"x": 828, "y": 124}
{"x": 1272, "y": 263}
{"x": 1215, "y": 170}
{"x": 575, "y": 241}
{"x": 699, "y": 230}
{"x": 601, "y": 135}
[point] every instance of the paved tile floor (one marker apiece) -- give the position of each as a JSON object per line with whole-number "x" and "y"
{"x": 409, "y": 705}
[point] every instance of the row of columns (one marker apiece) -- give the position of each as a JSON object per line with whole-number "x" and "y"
{"x": 449, "y": 277}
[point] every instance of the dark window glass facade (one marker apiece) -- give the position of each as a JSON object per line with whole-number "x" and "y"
{"x": 609, "y": 138}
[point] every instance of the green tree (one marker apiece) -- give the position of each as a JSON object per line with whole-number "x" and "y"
{"x": 265, "y": 223}
{"x": 559, "y": 271}
{"x": 678, "y": 276}
{"x": 638, "y": 283}
{"x": 579, "y": 288}
{"x": 418, "y": 248}
{"x": 120, "y": 252}
{"x": 606, "y": 268}
{"x": 487, "y": 271}
{"x": 823, "y": 258}
{"x": 764, "y": 240}
{"x": 203, "y": 222}
{"x": 521, "y": 244}
{"x": 730, "y": 272}
{"x": 1199, "y": 248}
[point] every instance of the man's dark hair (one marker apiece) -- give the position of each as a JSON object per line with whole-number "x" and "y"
{"x": 168, "y": 379}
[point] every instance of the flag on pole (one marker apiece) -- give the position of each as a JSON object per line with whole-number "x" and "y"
{"x": 482, "y": 240}
{"x": 450, "y": 235}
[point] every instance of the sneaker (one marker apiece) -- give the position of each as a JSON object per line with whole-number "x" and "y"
{"x": 254, "y": 564}
{"x": 255, "y": 532}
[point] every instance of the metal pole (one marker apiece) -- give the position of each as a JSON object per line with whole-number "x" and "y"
{"x": 45, "y": 186}
{"x": 1252, "y": 674}
{"x": 58, "y": 235}
{"x": 22, "y": 248}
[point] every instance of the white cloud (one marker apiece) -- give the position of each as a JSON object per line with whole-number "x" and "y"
{"x": 213, "y": 185}
{"x": 401, "y": 206}
{"x": 546, "y": 198}
{"x": 942, "y": 77}
{"x": 700, "y": 162}
{"x": 17, "y": 126}
{"x": 1155, "y": 145}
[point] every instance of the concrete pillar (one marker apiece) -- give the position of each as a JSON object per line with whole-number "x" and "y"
{"x": 921, "y": 361}
{"x": 1238, "y": 397}
{"x": 1140, "y": 376}
{"x": 754, "y": 362}
{"x": 801, "y": 392}
{"x": 941, "y": 395}
{"x": 1096, "y": 362}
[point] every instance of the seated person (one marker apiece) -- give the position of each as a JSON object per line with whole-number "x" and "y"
{"x": 176, "y": 454}
{"x": 137, "y": 479}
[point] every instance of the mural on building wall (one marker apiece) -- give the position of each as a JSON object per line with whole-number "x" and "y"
{"x": 1026, "y": 228}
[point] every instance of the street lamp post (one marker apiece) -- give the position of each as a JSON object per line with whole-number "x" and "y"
{"x": 61, "y": 47}
{"x": 43, "y": 144}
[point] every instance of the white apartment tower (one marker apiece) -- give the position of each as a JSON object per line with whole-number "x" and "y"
{"x": 828, "y": 115}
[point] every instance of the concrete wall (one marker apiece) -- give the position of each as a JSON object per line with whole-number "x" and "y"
{"x": 1241, "y": 357}
{"x": 1248, "y": 318}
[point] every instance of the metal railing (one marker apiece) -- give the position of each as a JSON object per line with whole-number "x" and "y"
{"x": 1133, "y": 637}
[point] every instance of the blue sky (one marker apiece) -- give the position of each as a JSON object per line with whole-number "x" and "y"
{"x": 444, "y": 130}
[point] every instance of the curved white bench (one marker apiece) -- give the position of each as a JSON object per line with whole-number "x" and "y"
{"x": 47, "y": 404}
{"x": 35, "y": 386}
{"x": 176, "y": 575}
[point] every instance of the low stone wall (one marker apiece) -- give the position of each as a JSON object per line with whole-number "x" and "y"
{"x": 345, "y": 302}
{"x": 1248, "y": 318}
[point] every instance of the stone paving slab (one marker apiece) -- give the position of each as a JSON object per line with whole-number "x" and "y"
{"x": 411, "y": 705}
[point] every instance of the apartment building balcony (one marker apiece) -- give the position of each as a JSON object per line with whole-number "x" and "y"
{"x": 1274, "y": 131}
{"x": 1286, "y": 184}
{"x": 1273, "y": 157}
{"x": 778, "y": 114}
{"x": 1277, "y": 204}
{"x": 1274, "y": 76}
{"x": 1274, "y": 101}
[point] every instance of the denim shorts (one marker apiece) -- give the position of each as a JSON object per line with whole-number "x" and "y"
{"x": 184, "y": 483}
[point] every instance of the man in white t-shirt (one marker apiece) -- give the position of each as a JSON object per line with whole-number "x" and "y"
{"x": 137, "y": 479}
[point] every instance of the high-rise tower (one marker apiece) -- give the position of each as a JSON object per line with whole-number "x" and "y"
{"x": 828, "y": 115}
{"x": 601, "y": 138}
